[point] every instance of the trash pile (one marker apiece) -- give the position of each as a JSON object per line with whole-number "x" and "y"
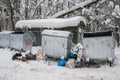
{"x": 75, "y": 57}
{"x": 27, "y": 56}
{"x": 71, "y": 57}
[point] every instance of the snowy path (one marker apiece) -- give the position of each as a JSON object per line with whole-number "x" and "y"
{"x": 34, "y": 70}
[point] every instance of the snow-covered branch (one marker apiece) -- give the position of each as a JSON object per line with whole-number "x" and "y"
{"x": 5, "y": 9}
{"x": 81, "y": 5}
{"x": 53, "y": 7}
{"x": 41, "y": 1}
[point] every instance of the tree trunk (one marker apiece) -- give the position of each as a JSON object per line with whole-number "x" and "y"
{"x": 12, "y": 13}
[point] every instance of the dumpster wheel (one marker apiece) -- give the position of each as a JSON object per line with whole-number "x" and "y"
{"x": 111, "y": 64}
{"x": 87, "y": 62}
{"x": 110, "y": 60}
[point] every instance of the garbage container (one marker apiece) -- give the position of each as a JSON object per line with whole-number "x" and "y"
{"x": 22, "y": 40}
{"x": 99, "y": 45}
{"x": 56, "y": 43}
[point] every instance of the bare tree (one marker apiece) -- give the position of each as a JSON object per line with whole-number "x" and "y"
{"x": 11, "y": 13}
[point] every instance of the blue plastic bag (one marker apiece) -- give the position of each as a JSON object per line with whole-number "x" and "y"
{"x": 62, "y": 62}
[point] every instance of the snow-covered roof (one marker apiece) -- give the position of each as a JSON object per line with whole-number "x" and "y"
{"x": 56, "y": 33}
{"x": 50, "y": 23}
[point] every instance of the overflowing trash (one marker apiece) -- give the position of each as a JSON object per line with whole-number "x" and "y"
{"x": 74, "y": 60}
{"x": 75, "y": 57}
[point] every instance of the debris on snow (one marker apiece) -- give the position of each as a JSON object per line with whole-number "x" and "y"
{"x": 14, "y": 70}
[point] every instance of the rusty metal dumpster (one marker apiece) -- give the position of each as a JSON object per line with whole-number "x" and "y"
{"x": 22, "y": 40}
{"x": 56, "y": 43}
{"x": 99, "y": 45}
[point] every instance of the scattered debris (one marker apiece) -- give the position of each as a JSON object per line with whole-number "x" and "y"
{"x": 30, "y": 56}
{"x": 16, "y": 56}
{"x": 62, "y": 62}
{"x": 24, "y": 59}
{"x": 79, "y": 55}
{"x": 38, "y": 55}
{"x": 80, "y": 64}
{"x": 95, "y": 66}
{"x": 70, "y": 63}
{"x": 49, "y": 64}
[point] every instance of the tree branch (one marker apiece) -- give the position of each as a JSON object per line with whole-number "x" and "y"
{"x": 81, "y": 5}
{"x": 6, "y": 9}
{"x": 41, "y": 1}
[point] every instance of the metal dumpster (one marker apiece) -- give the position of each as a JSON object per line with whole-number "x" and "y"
{"x": 5, "y": 39}
{"x": 22, "y": 40}
{"x": 56, "y": 43}
{"x": 99, "y": 45}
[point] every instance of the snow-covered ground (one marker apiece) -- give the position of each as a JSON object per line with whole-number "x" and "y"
{"x": 34, "y": 70}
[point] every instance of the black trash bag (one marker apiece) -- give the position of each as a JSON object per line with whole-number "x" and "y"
{"x": 16, "y": 55}
{"x": 30, "y": 56}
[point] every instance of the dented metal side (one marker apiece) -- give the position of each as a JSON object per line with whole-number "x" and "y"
{"x": 56, "y": 46}
{"x": 99, "y": 47}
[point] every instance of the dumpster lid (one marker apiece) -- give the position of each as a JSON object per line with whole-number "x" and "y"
{"x": 56, "y": 33}
{"x": 6, "y": 32}
{"x": 97, "y": 34}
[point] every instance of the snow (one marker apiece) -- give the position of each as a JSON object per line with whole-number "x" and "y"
{"x": 107, "y": 21}
{"x": 116, "y": 11}
{"x": 111, "y": 4}
{"x": 86, "y": 11}
{"x": 50, "y": 23}
{"x": 56, "y": 33}
{"x": 34, "y": 70}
